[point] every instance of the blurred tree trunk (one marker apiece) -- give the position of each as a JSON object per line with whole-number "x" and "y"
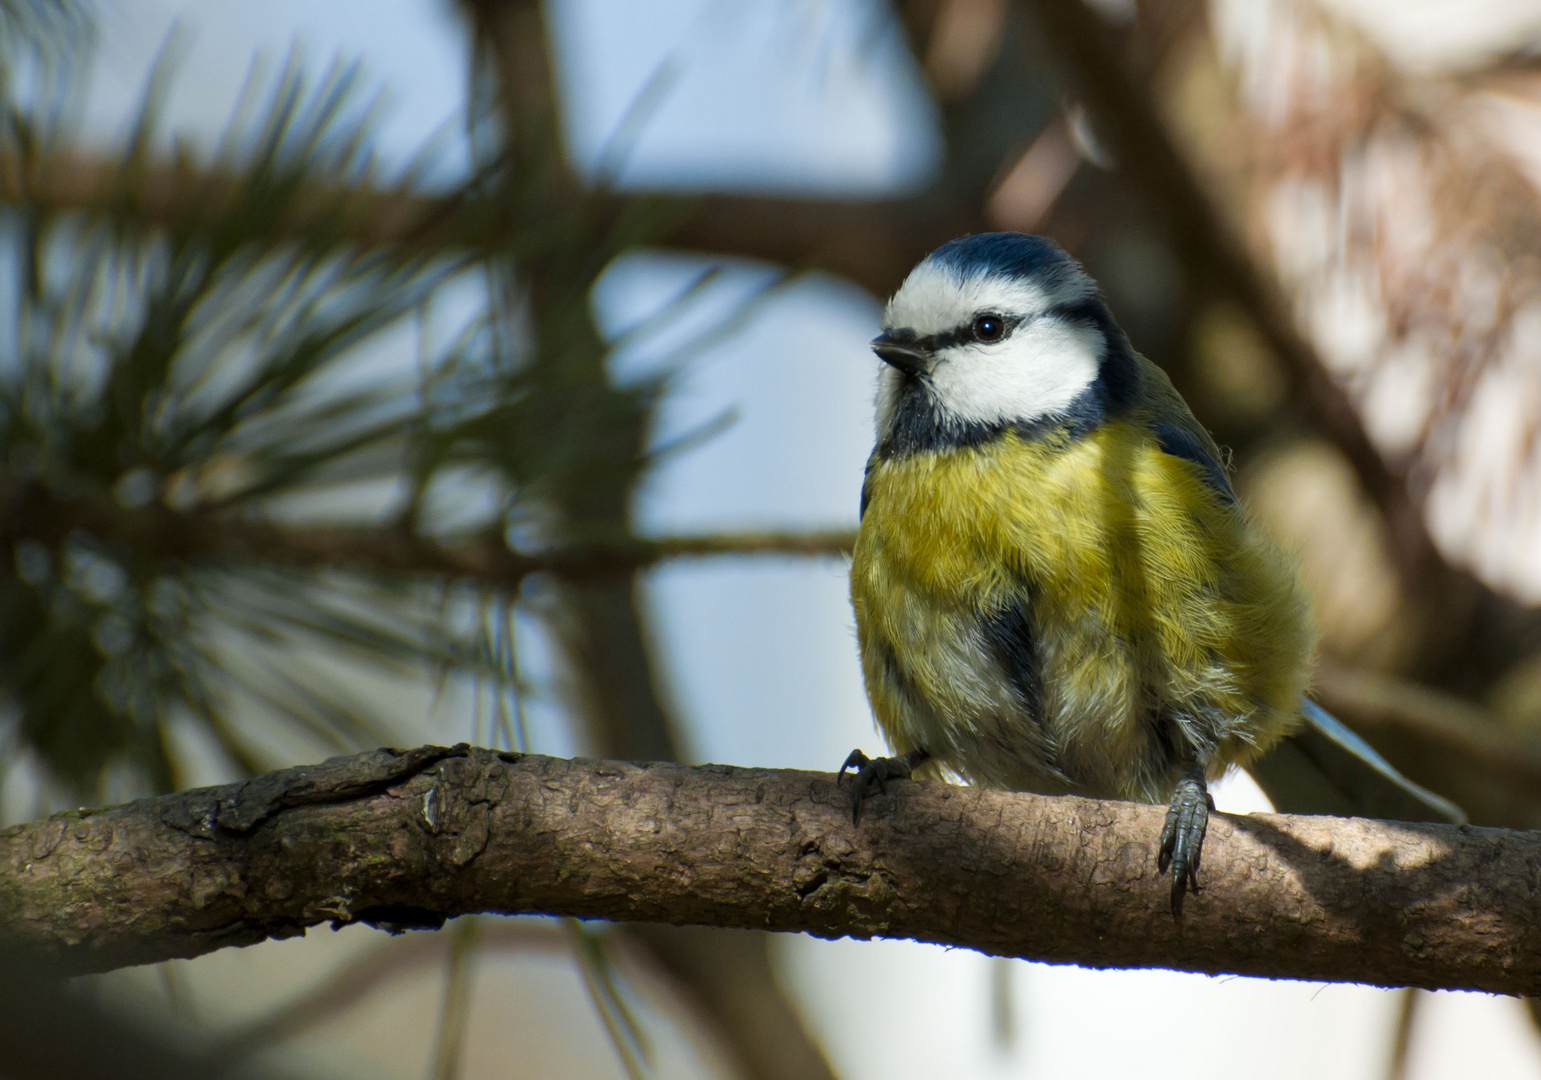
{"x": 727, "y": 975}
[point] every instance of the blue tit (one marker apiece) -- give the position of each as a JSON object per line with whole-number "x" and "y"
{"x": 1056, "y": 589}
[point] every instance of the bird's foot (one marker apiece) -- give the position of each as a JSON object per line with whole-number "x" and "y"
{"x": 873, "y": 775}
{"x": 1182, "y": 837}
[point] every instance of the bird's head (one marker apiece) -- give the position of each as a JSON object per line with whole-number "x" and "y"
{"x": 992, "y": 330}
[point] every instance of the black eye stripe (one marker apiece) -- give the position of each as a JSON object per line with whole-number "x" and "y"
{"x": 1078, "y": 312}
{"x": 959, "y": 335}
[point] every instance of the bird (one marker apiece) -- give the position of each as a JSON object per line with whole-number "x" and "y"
{"x": 1055, "y": 586}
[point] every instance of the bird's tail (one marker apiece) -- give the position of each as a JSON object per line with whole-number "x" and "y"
{"x": 1326, "y": 769}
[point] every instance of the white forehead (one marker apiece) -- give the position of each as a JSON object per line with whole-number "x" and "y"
{"x": 936, "y": 297}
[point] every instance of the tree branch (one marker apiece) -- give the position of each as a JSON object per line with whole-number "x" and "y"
{"x": 873, "y": 242}
{"x": 31, "y": 512}
{"x": 160, "y": 194}
{"x": 409, "y": 838}
{"x": 486, "y": 560}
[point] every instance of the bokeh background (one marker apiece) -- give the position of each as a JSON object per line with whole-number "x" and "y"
{"x": 305, "y": 300}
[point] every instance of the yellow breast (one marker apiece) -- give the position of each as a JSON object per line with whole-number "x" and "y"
{"x": 1159, "y": 613}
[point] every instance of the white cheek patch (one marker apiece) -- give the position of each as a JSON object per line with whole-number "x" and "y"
{"x": 934, "y": 299}
{"x": 1038, "y": 371}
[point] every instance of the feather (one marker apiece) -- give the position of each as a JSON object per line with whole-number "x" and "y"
{"x": 1327, "y": 769}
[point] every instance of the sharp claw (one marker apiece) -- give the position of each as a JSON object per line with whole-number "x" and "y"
{"x": 1182, "y": 836}
{"x": 854, "y": 760}
{"x": 872, "y": 775}
{"x": 867, "y": 778}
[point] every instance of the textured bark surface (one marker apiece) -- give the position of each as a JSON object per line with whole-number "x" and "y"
{"x": 407, "y": 838}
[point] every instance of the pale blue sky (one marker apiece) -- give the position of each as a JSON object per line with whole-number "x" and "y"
{"x": 750, "y": 95}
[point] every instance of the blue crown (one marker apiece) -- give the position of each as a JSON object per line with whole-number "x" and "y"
{"x": 1009, "y": 254}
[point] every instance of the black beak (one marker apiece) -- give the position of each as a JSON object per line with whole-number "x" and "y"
{"x": 904, "y": 355}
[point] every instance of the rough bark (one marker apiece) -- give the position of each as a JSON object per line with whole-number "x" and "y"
{"x": 408, "y": 838}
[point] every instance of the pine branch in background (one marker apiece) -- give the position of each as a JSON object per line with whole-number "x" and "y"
{"x": 449, "y": 1039}
{"x": 184, "y": 392}
{"x": 200, "y": 365}
{"x": 203, "y": 370}
{"x": 34, "y": 514}
{"x": 1383, "y": 148}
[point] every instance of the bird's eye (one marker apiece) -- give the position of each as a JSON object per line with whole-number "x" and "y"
{"x": 989, "y": 327}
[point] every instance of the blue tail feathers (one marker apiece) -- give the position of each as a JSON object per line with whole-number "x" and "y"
{"x": 1327, "y": 769}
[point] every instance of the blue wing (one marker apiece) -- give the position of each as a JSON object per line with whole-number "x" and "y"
{"x": 1182, "y": 443}
{"x": 1327, "y": 769}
